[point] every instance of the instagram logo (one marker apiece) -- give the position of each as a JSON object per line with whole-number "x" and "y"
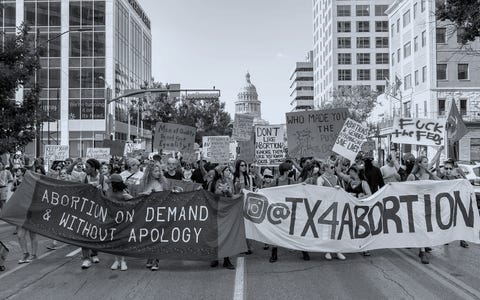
{"x": 255, "y": 208}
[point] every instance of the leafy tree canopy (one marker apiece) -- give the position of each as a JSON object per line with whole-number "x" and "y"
{"x": 465, "y": 14}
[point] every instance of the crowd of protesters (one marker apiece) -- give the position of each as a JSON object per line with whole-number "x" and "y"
{"x": 125, "y": 178}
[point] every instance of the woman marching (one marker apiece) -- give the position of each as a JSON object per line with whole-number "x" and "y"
{"x": 242, "y": 180}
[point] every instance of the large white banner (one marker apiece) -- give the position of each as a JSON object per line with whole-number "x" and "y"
{"x": 322, "y": 219}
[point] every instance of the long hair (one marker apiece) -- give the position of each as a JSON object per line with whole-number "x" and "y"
{"x": 416, "y": 167}
{"x": 237, "y": 174}
{"x": 214, "y": 181}
{"x": 148, "y": 175}
{"x": 361, "y": 175}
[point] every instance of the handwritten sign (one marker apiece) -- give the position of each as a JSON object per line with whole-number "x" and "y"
{"x": 175, "y": 137}
{"x": 117, "y": 147}
{"x": 216, "y": 149}
{"x": 313, "y": 133}
{"x": 270, "y": 145}
{"x": 427, "y": 132}
{"x": 56, "y": 152}
{"x": 350, "y": 139}
{"x": 100, "y": 154}
{"x": 246, "y": 149}
{"x": 242, "y": 127}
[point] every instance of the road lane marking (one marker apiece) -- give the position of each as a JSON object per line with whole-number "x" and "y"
{"x": 74, "y": 252}
{"x": 21, "y": 266}
{"x": 239, "y": 288}
{"x": 457, "y": 286}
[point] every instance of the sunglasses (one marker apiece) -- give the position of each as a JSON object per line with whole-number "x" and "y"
{"x": 448, "y": 168}
{"x": 242, "y": 165}
{"x": 268, "y": 176}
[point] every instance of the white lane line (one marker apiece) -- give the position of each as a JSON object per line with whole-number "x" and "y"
{"x": 461, "y": 289}
{"x": 3, "y": 275}
{"x": 239, "y": 288}
{"x": 74, "y": 252}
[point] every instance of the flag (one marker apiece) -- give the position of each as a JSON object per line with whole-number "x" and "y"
{"x": 456, "y": 129}
{"x": 396, "y": 85}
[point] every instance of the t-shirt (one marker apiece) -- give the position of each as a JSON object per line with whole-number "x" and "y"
{"x": 130, "y": 178}
{"x": 177, "y": 176}
{"x": 390, "y": 174}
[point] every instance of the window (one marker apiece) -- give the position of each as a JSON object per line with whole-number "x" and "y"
{"x": 424, "y": 38}
{"x": 407, "y": 82}
{"x": 398, "y": 25}
{"x": 422, "y": 5}
{"x": 393, "y": 58}
{"x": 424, "y": 73}
{"x": 441, "y": 107}
{"x": 415, "y": 44}
{"x": 441, "y": 72}
{"x": 343, "y": 26}
{"x": 363, "y": 42}
{"x": 381, "y": 42}
{"x": 415, "y": 10}
{"x": 398, "y": 54}
{"x": 406, "y": 18}
{"x": 344, "y": 58}
{"x": 343, "y": 10}
{"x": 380, "y": 89}
{"x": 381, "y": 58}
{"x": 381, "y": 26}
{"x": 407, "y": 50}
{"x": 380, "y": 10}
{"x": 363, "y": 10}
{"x": 392, "y": 30}
{"x": 407, "y": 109}
{"x": 460, "y": 34}
{"x": 344, "y": 42}
{"x": 363, "y": 26}
{"x": 417, "y": 80}
{"x": 363, "y": 74}
{"x": 382, "y": 74}
{"x": 474, "y": 149}
{"x": 424, "y": 108}
{"x": 441, "y": 35}
{"x": 344, "y": 75}
{"x": 463, "y": 107}
{"x": 363, "y": 58}
{"x": 462, "y": 71}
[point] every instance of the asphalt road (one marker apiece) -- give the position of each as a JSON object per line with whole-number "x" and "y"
{"x": 453, "y": 273}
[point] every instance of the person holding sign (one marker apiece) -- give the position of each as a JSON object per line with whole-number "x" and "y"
{"x": 421, "y": 171}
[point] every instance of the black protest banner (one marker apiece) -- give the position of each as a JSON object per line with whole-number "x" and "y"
{"x": 165, "y": 224}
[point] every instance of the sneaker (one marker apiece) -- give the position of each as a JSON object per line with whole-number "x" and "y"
{"x": 306, "y": 256}
{"x": 149, "y": 263}
{"x": 423, "y": 257}
{"x": 265, "y": 247}
{"x": 95, "y": 259}
{"x": 228, "y": 264}
{"x": 248, "y": 252}
{"x": 52, "y": 246}
{"x": 366, "y": 253}
{"x": 25, "y": 259}
{"x": 33, "y": 257}
{"x": 214, "y": 263}
{"x": 464, "y": 244}
{"x": 155, "y": 265}
{"x": 2, "y": 268}
{"x": 328, "y": 256}
{"x": 86, "y": 264}
{"x": 123, "y": 265}
{"x": 428, "y": 249}
{"x": 340, "y": 256}
{"x": 115, "y": 265}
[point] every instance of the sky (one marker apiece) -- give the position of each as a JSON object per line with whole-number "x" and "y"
{"x": 205, "y": 43}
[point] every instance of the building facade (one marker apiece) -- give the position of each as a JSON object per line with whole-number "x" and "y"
{"x": 434, "y": 69}
{"x": 248, "y": 103}
{"x": 90, "y": 51}
{"x": 350, "y": 46}
{"x": 302, "y": 84}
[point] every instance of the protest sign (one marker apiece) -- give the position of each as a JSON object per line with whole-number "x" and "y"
{"x": 427, "y": 132}
{"x": 313, "y": 133}
{"x": 117, "y": 147}
{"x": 270, "y": 145}
{"x": 350, "y": 139}
{"x": 242, "y": 127}
{"x": 368, "y": 147}
{"x": 233, "y": 151}
{"x": 131, "y": 148}
{"x": 216, "y": 149}
{"x": 100, "y": 154}
{"x": 175, "y": 137}
{"x": 246, "y": 149}
{"x": 195, "y": 225}
{"x": 400, "y": 215}
{"x": 56, "y": 152}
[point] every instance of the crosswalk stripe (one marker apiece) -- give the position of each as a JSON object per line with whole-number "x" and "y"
{"x": 239, "y": 289}
{"x": 74, "y": 252}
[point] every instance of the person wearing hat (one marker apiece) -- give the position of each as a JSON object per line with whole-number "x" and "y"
{"x": 267, "y": 178}
{"x": 133, "y": 176}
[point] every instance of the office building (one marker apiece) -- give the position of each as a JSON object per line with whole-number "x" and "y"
{"x": 302, "y": 84}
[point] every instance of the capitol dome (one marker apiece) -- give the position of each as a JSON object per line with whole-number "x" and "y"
{"x": 248, "y": 92}
{"x": 248, "y": 103}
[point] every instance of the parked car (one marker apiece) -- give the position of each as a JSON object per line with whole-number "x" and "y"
{"x": 472, "y": 172}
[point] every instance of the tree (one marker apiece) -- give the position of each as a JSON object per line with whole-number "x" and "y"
{"x": 359, "y": 101}
{"x": 465, "y": 14}
{"x": 19, "y": 63}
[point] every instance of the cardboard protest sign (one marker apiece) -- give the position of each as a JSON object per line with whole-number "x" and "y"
{"x": 400, "y": 215}
{"x": 216, "y": 149}
{"x": 246, "y": 149}
{"x": 313, "y": 133}
{"x": 117, "y": 147}
{"x": 174, "y": 137}
{"x": 100, "y": 154}
{"x": 350, "y": 139}
{"x": 195, "y": 225}
{"x": 56, "y": 152}
{"x": 242, "y": 127}
{"x": 270, "y": 145}
{"x": 427, "y": 132}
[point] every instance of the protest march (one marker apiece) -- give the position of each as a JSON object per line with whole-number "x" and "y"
{"x": 306, "y": 185}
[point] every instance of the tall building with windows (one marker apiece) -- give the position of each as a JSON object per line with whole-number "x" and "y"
{"x": 350, "y": 45}
{"x": 302, "y": 84}
{"x": 89, "y": 48}
{"x": 434, "y": 69}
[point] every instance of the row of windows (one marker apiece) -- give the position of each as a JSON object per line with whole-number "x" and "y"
{"x": 462, "y": 72}
{"x": 362, "y": 42}
{"x": 406, "y": 17}
{"x": 362, "y": 58}
{"x": 361, "y": 10}
{"x": 362, "y": 26}
{"x": 407, "y": 48}
{"x": 362, "y": 74}
{"x": 344, "y": 88}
